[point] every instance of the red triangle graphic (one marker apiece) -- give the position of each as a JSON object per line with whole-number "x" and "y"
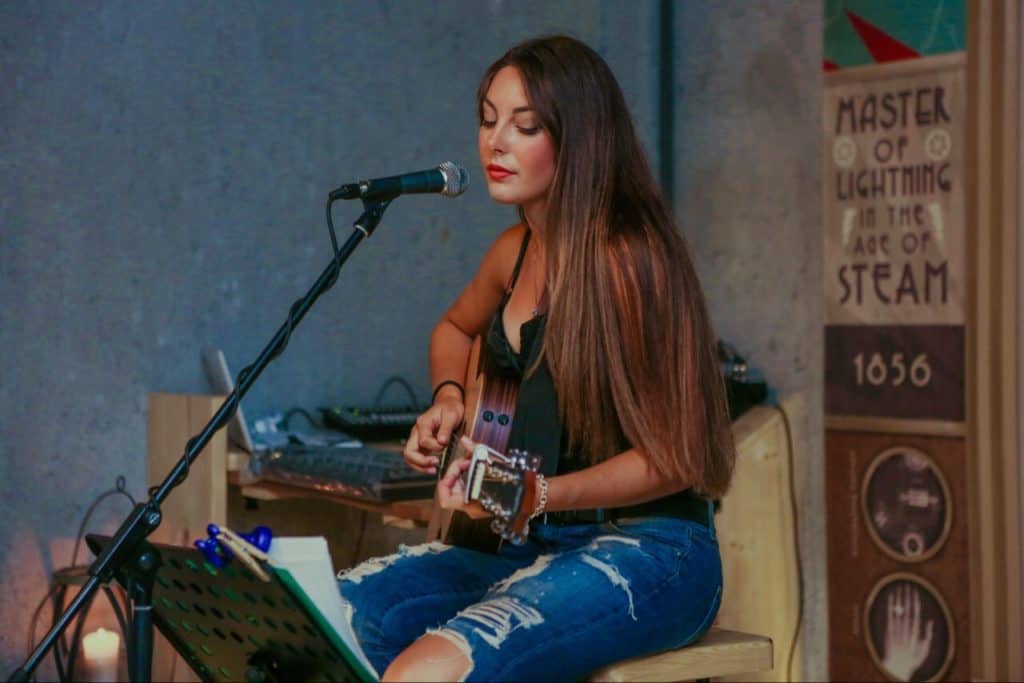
{"x": 829, "y": 65}
{"x": 882, "y": 46}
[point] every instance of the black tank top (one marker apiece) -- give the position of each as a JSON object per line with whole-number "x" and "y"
{"x": 536, "y": 427}
{"x": 506, "y": 359}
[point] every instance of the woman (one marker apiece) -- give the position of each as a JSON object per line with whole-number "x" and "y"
{"x": 593, "y": 301}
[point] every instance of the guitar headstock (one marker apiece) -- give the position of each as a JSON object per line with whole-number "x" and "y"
{"x": 505, "y": 485}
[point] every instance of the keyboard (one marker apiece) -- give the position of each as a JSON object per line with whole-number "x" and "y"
{"x": 365, "y": 472}
{"x": 372, "y": 424}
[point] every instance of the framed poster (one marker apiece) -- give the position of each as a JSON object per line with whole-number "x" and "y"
{"x": 898, "y": 557}
{"x": 894, "y": 240}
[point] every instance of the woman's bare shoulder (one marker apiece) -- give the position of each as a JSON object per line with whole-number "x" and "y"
{"x": 480, "y": 298}
{"x": 501, "y": 257}
{"x": 510, "y": 238}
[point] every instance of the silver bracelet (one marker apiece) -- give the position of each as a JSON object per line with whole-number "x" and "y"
{"x": 542, "y": 501}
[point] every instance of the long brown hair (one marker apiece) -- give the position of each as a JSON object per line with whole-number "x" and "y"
{"x": 628, "y": 338}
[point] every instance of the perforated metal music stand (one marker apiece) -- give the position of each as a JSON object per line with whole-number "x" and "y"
{"x": 231, "y": 626}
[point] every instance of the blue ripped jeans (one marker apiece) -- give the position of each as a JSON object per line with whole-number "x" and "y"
{"x": 571, "y": 600}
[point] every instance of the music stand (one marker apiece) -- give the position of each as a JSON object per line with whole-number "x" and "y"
{"x": 231, "y": 626}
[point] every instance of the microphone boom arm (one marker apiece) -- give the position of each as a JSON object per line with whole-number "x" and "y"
{"x": 128, "y": 551}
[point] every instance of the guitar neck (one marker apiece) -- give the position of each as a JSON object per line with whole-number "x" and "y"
{"x": 490, "y": 408}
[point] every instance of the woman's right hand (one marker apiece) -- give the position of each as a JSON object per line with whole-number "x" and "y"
{"x": 432, "y": 432}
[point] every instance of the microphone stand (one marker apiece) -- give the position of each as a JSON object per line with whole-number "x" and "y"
{"x": 128, "y": 555}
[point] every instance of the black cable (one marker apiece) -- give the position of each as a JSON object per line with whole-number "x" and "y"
{"x": 395, "y": 379}
{"x": 54, "y": 588}
{"x": 76, "y": 639}
{"x": 60, "y": 648}
{"x": 330, "y": 230}
{"x": 363, "y": 515}
{"x": 796, "y": 545}
{"x": 292, "y": 412}
{"x": 121, "y": 612}
{"x": 119, "y": 484}
{"x": 334, "y": 245}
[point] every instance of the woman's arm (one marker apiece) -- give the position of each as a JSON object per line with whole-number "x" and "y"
{"x": 450, "y": 344}
{"x": 624, "y": 479}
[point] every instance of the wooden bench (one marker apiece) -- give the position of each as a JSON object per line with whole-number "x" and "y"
{"x": 720, "y": 653}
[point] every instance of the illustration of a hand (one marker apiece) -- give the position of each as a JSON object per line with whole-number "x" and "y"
{"x": 905, "y": 649}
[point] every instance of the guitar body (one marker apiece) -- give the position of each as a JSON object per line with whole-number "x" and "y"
{"x": 490, "y": 407}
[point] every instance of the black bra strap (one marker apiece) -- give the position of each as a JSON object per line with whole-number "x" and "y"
{"x": 519, "y": 263}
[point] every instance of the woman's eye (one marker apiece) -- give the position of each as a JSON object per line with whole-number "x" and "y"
{"x": 529, "y": 131}
{"x": 487, "y": 124}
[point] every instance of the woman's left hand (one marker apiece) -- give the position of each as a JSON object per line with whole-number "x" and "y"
{"x": 451, "y": 489}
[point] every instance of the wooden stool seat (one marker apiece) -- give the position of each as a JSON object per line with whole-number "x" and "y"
{"x": 719, "y": 653}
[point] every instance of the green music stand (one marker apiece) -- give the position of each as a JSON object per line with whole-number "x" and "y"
{"x": 231, "y": 626}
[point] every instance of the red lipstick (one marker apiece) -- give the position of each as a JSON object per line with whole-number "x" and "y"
{"x": 497, "y": 172}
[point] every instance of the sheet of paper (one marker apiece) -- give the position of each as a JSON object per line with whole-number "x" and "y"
{"x": 308, "y": 561}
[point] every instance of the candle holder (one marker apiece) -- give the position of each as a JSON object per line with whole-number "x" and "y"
{"x": 68, "y": 653}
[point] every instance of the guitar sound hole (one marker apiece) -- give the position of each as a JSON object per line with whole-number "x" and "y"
{"x": 488, "y": 416}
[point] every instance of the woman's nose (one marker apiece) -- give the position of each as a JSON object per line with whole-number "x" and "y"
{"x": 496, "y": 141}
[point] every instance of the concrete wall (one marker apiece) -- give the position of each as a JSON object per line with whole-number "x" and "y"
{"x": 749, "y": 199}
{"x": 163, "y": 171}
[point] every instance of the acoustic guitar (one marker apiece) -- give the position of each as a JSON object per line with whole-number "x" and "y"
{"x": 503, "y": 483}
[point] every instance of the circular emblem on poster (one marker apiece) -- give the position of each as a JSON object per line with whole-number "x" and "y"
{"x": 937, "y": 144}
{"x": 909, "y": 629}
{"x": 906, "y": 504}
{"x": 844, "y": 151}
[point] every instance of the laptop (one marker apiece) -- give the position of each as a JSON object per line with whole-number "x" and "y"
{"x": 215, "y": 365}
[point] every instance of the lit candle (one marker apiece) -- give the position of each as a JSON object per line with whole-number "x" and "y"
{"x": 101, "y": 648}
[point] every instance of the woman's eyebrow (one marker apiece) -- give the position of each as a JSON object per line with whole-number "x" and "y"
{"x": 517, "y": 110}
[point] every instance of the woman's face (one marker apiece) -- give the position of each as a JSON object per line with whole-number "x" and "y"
{"x": 518, "y": 155}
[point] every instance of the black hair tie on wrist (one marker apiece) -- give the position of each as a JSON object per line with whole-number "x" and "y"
{"x": 445, "y": 383}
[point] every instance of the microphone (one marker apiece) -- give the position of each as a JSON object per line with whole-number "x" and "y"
{"x": 449, "y": 179}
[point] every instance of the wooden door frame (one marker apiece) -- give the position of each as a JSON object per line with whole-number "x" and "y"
{"x": 993, "y": 212}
